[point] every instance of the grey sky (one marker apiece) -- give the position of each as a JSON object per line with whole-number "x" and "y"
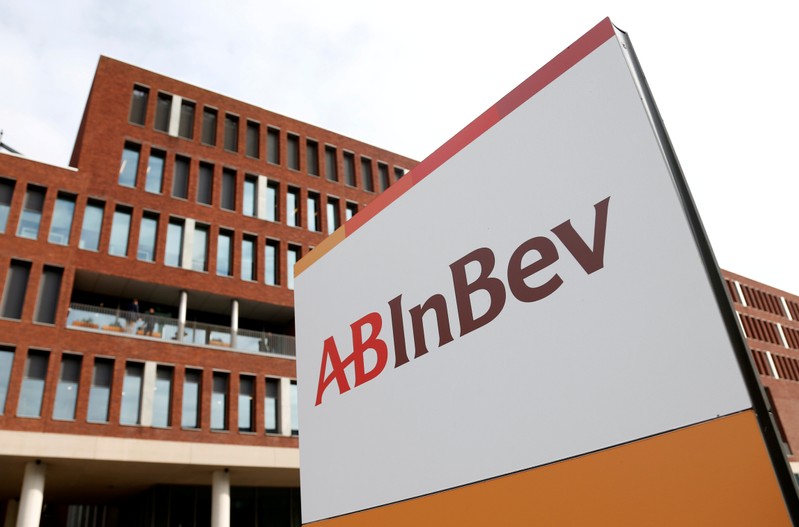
{"x": 408, "y": 75}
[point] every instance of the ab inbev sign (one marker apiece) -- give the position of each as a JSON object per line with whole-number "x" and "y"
{"x": 523, "y": 329}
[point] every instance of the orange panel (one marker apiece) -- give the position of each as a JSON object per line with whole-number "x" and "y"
{"x": 714, "y": 473}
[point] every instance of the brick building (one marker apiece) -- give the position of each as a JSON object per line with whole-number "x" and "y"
{"x": 196, "y": 206}
{"x": 147, "y": 372}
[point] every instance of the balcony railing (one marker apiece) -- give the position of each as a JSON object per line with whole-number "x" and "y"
{"x": 145, "y": 325}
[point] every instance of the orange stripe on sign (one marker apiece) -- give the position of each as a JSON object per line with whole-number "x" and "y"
{"x": 714, "y": 473}
{"x": 319, "y": 251}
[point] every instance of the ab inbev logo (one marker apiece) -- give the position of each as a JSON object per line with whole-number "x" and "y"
{"x": 367, "y": 331}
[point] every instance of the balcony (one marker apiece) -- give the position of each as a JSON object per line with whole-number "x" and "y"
{"x": 123, "y": 323}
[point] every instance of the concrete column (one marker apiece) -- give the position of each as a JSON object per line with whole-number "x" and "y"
{"x": 174, "y": 115}
{"x": 234, "y": 322}
{"x": 31, "y": 497}
{"x": 148, "y": 393}
{"x": 184, "y": 300}
{"x": 188, "y": 243}
{"x": 12, "y": 506}
{"x": 220, "y": 499}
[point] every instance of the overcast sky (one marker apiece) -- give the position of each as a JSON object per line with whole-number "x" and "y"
{"x": 406, "y": 76}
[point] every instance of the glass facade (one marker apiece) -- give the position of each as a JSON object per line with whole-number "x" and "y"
{"x": 31, "y": 213}
{"x": 130, "y": 407}
{"x": 32, "y": 391}
{"x": 61, "y": 224}
{"x": 92, "y": 226}
{"x": 129, "y": 165}
{"x": 66, "y": 395}
{"x": 148, "y": 230}
{"x": 100, "y": 392}
{"x": 224, "y": 253}
{"x": 162, "y": 397}
{"x": 155, "y": 172}
{"x": 219, "y": 401}
{"x": 120, "y": 233}
{"x": 190, "y": 413}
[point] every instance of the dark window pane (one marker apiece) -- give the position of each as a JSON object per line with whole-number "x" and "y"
{"x": 382, "y": 170}
{"x": 100, "y": 391}
{"x": 219, "y": 401}
{"x": 6, "y": 362}
{"x": 228, "y": 189}
{"x": 253, "y": 139}
{"x": 14, "y": 291}
{"x": 349, "y": 168}
{"x": 312, "y": 157}
{"x": 273, "y": 145}
{"x": 271, "y": 406}
{"x": 293, "y": 151}
{"x": 180, "y": 183}
{"x": 138, "y": 105}
{"x": 31, "y": 215}
{"x": 209, "y": 126}
{"x": 331, "y": 168}
{"x": 205, "y": 184}
{"x": 49, "y": 291}
{"x": 186, "y": 128}
{"x": 32, "y": 389}
{"x": 366, "y": 174}
{"x": 163, "y": 110}
{"x": 6, "y": 193}
{"x": 66, "y": 395}
{"x": 231, "y": 133}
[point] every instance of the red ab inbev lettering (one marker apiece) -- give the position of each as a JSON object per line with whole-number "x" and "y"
{"x": 591, "y": 259}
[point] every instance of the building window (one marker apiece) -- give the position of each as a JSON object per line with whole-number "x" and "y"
{"x": 248, "y": 257}
{"x": 199, "y": 260}
{"x": 92, "y": 225}
{"x": 209, "y": 126}
{"x": 163, "y": 109}
{"x": 205, "y": 184}
{"x": 272, "y": 406}
{"x": 246, "y": 403}
{"x": 250, "y": 205}
{"x": 295, "y": 421}
{"x": 162, "y": 397}
{"x": 138, "y": 105}
{"x": 272, "y": 262}
{"x": 100, "y": 392}
{"x": 120, "y": 232}
{"x": 231, "y": 133}
{"x": 190, "y": 414}
{"x": 219, "y": 401}
{"x": 293, "y": 207}
{"x": 148, "y": 233}
{"x": 61, "y": 223}
{"x": 49, "y": 291}
{"x": 253, "y": 139}
{"x": 382, "y": 174}
{"x": 186, "y": 128}
{"x": 228, "y": 189}
{"x": 224, "y": 253}
{"x": 130, "y": 407}
{"x": 155, "y": 172}
{"x": 332, "y": 215}
{"x": 349, "y": 169}
{"x": 180, "y": 183}
{"x": 32, "y": 391}
{"x": 272, "y": 201}
{"x": 174, "y": 243}
{"x": 312, "y": 157}
{"x": 6, "y": 193}
{"x": 31, "y": 212}
{"x": 331, "y": 167}
{"x": 6, "y": 362}
{"x": 366, "y": 174}
{"x": 66, "y": 394}
{"x": 273, "y": 145}
{"x": 129, "y": 165}
{"x": 399, "y": 172}
{"x": 314, "y": 221}
{"x": 351, "y": 210}
{"x": 293, "y": 151}
{"x": 292, "y": 257}
{"x": 14, "y": 291}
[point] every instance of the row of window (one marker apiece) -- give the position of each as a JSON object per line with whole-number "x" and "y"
{"x": 187, "y": 241}
{"x": 176, "y": 116}
{"x": 762, "y": 300}
{"x": 260, "y": 196}
{"x": 141, "y": 378}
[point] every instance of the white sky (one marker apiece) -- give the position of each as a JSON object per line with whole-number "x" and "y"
{"x": 406, "y": 76}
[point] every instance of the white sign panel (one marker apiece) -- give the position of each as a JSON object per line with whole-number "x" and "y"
{"x": 538, "y": 296}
